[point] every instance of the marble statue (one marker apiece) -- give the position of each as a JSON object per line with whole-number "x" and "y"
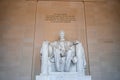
{"x": 62, "y": 58}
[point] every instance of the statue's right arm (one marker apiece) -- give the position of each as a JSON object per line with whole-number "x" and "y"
{"x": 44, "y": 47}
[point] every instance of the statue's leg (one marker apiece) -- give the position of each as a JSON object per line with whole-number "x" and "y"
{"x": 62, "y": 64}
{"x": 68, "y": 61}
{"x": 57, "y": 60}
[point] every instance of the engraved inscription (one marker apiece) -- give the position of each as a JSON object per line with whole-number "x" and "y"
{"x": 60, "y": 18}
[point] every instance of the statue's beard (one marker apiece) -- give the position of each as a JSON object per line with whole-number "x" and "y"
{"x": 62, "y": 39}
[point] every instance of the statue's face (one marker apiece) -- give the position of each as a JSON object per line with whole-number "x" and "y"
{"x": 62, "y": 35}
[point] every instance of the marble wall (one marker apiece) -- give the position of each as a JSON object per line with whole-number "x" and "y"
{"x": 103, "y": 29}
{"x": 22, "y": 29}
{"x": 17, "y": 19}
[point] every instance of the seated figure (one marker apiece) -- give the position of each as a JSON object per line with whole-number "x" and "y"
{"x": 62, "y": 56}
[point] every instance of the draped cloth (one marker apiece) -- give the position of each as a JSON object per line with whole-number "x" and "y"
{"x": 63, "y": 64}
{"x": 44, "y": 57}
{"x": 81, "y": 59}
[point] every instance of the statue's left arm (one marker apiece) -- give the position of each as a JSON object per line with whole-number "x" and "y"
{"x": 81, "y": 63}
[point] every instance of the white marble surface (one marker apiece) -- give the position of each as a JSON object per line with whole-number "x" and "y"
{"x": 62, "y": 60}
{"x": 63, "y": 76}
{"x": 62, "y": 56}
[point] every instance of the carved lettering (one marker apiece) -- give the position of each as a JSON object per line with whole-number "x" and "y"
{"x": 60, "y": 18}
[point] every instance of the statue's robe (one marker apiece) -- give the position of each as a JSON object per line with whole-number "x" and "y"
{"x": 62, "y": 55}
{"x": 51, "y": 53}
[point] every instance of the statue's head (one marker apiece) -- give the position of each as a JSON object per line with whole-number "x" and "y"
{"x": 62, "y": 34}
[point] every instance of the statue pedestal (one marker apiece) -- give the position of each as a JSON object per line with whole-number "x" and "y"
{"x": 63, "y": 76}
